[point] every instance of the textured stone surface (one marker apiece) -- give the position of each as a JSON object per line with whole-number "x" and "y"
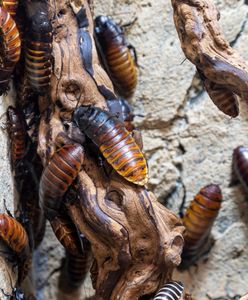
{"x": 187, "y": 141}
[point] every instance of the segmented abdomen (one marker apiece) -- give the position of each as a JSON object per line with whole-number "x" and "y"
{"x": 240, "y": 164}
{"x": 171, "y": 291}
{"x": 59, "y": 174}
{"x": 17, "y": 133}
{"x": 77, "y": 266}
{"x": 11, "y": 6}
{"x": 12, "y": 232}
{"x": 10, "y": 50}
{"x": 224, "y": 99}
{"x": 122, "y": 68}
{"x": 200, "y": 216}
{"x": 66, "y": 232}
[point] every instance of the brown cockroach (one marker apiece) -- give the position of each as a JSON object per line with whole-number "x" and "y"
{"x": 39, "y": 47}
{"x": 67, "y": 233}
{"x": 10, "y": 6}
{"x": 198, "y": 221}
{"x": 172, "y": 290}
{"x": 58, "y": 175}
{"x": 17, "y": 133}
{"x": 13, "y": 233}
{"x": 77, "y": 266}
{"x": 223, "y": 98}
{"x": 10, "y": 49}
{"x": 240, "y": 164}
{"x": 118, "y": 57}
{"x": 115, "y": 143}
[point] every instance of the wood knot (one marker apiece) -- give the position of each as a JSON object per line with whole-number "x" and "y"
{"x": 72, "y": 91}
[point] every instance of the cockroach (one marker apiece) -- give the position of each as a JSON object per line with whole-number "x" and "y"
{"x": 10, "y": 6}
{"x": 77, "y": 266}
{"x": 58, "y": 175}
{"x": 39, "y": 47}
{"x": 118, "y": 57}
{"x": 115, "y": 143}
{"x": 17, "y": 133}
{"x": 223, "y": 98}
{"x": 67, "y": 233}
{"x": 198, "y": 221}
{"x": 123, "y": 110}
{"x": 10, "y": 49}
{"x": 240, "y": 164}
{"x": 13, "y": 233}
{"x": 170, "y": 291}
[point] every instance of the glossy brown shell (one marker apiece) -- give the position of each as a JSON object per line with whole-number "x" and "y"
{"x": 59, "y": 174}
{"x": 10, "y": 49}
{"x": 67, "y": 234}
{"x": 200, "y": 216}
{"x": 17, "y": 133}
{"x": 13, "y": 233}
{"x": 240, "y": 164}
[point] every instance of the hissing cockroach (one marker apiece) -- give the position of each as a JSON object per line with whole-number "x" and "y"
{"x": 10, "y": 6}
{"x": 58, "y": 175}
{"x": 18, "y": 134}
{"x": 224, "y": 99}
{"x": 13, "y": 233}
{"x": 116, "y": 55}
{"x": 67, "y": 233}
{"x": 240, "y": 164}
{"x": 39, "y": 47}
{"x": 10, "y": 48}
{"x": 198, "y": 221}
{"x": 77, "y": 266}
{"x": 114, "y": 141}
{"x": 170, "y": 291}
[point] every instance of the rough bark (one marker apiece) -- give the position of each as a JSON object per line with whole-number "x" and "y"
{"x": 136, "y": 242}
{"x": 205, "y": 46}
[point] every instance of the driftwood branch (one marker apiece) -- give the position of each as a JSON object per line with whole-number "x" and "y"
{"x": 220, "y": 66}
{"x": 136, "y": 242}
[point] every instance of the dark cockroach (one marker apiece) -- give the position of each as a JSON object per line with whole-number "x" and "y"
{"x": 114, "y": 141}
{"x": 17, "y": 133}
{"x": 13, "y": 233}
{"x": 116, "y": 54}
{"x": 10, "y": 6}
{"x": 240, "y": 164}
{"x": 58, "y": 175}
{"x": 67, "y": 233}
{"x": 198, "y": 221}
{"x": 170, "y": 291}
{"x": 123, "y": 110}
{"x": 10, "y": 49}
{"x": 39, "y": 47}
{"x": 223, "y": 98}
{"x": 76, "y": 267}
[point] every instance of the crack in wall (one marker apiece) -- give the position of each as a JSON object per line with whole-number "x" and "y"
{"x": 239, "y": 34}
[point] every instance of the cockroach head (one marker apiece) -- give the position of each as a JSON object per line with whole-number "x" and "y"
{"x": 101, "y": 22}
{"x": 81, "y": 116}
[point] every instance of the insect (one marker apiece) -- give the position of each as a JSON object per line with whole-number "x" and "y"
{"x": 240, "y": 164}
{"x": 17, "y": 133}
{"x": 77, "y": 266}
{"x": 224, "y": 99}
{"x": 10, "y": 6}
{"x": 170, "y": 291}
{"x": 39, "y": 48}
{"x": 198, "y": 220}
{"x": 118, "y": 57}
{"x": 10, "y": 48}
{"x": 114, "y": 141}
{"x": 67, "y": 234}
{"x": 58, "y": 175}
{"x": 12, "y": 232}
{"x": 123, "y": 110}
